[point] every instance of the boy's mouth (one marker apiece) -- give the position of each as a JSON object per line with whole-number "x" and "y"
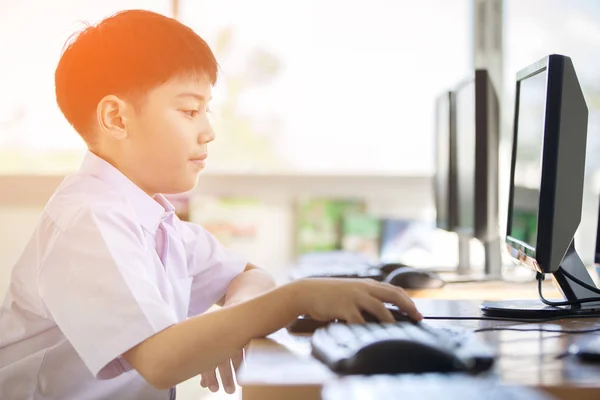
{"x": 199, "y": 160}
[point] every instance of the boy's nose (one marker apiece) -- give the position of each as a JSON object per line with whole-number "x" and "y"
{"x": 206, "y": 136}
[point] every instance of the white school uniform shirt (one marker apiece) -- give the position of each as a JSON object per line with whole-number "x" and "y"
{"x": 106, "y": 267}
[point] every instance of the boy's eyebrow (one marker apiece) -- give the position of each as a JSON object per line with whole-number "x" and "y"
{"x": 194, "y": 95}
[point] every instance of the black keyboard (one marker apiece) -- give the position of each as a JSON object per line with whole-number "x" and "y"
{"x": 403, "y": 347}
{"x": 426, "y": 387}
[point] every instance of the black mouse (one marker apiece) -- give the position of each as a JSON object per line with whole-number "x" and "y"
{"x": 389, "y": 267}
{"x": 412, "y": 278}
{"x": 587, "y": 349}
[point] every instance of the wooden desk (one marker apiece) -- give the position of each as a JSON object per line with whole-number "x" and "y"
{"x": 281, "y": 367}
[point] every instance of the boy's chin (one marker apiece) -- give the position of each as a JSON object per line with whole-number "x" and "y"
{"x": 190, "y": 184}
{"x": 182, "y": 187}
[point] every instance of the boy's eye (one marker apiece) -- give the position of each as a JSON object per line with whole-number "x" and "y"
{"x": 191, "y": 113}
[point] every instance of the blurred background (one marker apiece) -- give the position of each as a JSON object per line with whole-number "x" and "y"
{"x": 324, "y": 115}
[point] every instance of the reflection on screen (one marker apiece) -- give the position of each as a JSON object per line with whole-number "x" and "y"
{"x": 442, "y": 160}
{"x": 465, "y": 156}
{"x": 528, "y": 166}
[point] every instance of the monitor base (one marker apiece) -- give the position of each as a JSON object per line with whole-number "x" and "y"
{"x": 535, "y": 309}
{"x": 566, "y": 277}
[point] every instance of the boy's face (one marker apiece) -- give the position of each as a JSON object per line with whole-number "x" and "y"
{"x": 166, "y": 137}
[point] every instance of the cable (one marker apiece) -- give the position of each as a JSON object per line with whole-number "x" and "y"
{"x": 540, "y": 277}
{"x": 580, "y": 282}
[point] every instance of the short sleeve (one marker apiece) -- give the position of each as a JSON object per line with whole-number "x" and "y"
{"x": 212, "y": 266}
{"x": 96, "y": 284}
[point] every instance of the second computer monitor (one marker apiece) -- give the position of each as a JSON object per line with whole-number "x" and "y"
{"x": 477, "y": 147}
{"x": 476, "y": 108}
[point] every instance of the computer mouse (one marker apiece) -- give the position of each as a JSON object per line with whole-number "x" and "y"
{"x": 412, "y": 278}
{"x": 389, "y": 267}
{"x": 586, "y": 349}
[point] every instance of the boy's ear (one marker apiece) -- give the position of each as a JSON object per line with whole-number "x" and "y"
{"x": 111, "y": 116}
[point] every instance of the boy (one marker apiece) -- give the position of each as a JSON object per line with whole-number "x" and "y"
{"x": 108, "y": 299}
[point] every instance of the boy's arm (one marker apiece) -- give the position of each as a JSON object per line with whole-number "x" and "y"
{"x": 248, "y": 284}
{"x": 199, "y": 344}
{"x": 135, "y": 321}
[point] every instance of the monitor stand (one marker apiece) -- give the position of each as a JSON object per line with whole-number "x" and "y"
{"x": 464, "y": 255}
{"x": 492, "y": 265}
{"x": 535, "y": 309}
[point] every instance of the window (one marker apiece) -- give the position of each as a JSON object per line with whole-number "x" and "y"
{"x": 34, "y": 136}
{"x": 331, "y": 86}
{"x": 327, "y": 86}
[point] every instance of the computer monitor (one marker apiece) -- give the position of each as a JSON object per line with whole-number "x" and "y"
{"x": 546, "y": 189}
{"x": 597, "y": 252}
{"x": 477, "y": 146}
{"x": 445, "y": 163}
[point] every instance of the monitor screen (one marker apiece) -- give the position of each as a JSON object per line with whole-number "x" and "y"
{"x": 465, "y": 157}
{"x": 528, "y": 162}
{"x": 442, "y": 161}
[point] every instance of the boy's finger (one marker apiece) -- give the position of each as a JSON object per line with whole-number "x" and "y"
{"x": 408, "y": 305}
{"x": 227, "y": 377}
{"x": 210, "y": 379}
{"x": 398, "y": 297}
{"x": 376, "y": 308}
{"x": 354, "y": 317}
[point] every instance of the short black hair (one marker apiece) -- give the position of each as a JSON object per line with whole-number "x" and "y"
{"x": 126, "y": 54}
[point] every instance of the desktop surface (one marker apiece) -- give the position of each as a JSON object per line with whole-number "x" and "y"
{"x": 282, "y": 366}
{"x": 427, "y": 387}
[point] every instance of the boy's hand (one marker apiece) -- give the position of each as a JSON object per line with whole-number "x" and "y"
{"x": 209, "y": 379}
{"x": 327, "y": 299}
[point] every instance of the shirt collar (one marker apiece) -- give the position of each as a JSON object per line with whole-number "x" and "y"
{"x": 150, "y": 211}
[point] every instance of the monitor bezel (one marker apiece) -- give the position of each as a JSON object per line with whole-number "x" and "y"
{"x": 525, "y": 252}
{"x": 597, "y": 249}
{"x": 450, "y": 180}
